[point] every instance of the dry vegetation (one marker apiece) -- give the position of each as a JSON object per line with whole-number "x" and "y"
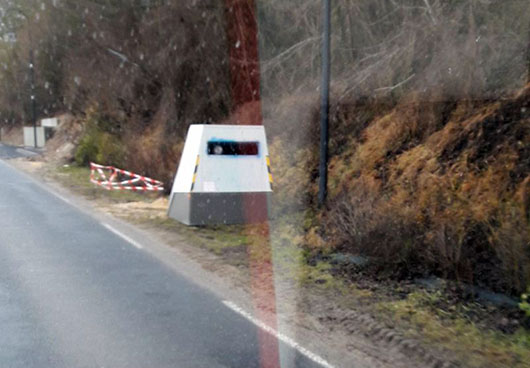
{"x": 424, "y": 190}
{"x": 430, "y": 141}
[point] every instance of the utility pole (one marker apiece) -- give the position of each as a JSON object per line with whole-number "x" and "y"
{"x": 528, "y": 58}
{"x": 324, "y": 104}
{"x": 31, "y": 72}
{"x": 242, "y": 35}
{"x": 33, "y": 102}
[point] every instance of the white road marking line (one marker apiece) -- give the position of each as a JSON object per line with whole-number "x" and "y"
{"x": 123, "y": 236}
{"x": 61, "y": 198}
{"x": 285, "y": 339}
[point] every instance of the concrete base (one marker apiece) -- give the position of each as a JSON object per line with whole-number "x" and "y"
{"x": 220, "y": 208}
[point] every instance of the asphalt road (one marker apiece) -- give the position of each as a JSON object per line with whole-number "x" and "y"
{"x": 74, "y": 294}
{"x": 7, "y": 151}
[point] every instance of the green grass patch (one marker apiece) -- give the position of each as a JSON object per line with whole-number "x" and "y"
{"x": 473, "y": 346}
{"x": 77, "y": 179}
{"x": 228, "y": 242}
{"x": 219, "y": 240}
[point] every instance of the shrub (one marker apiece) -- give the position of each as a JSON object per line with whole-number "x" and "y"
{"x": 98, "y": 145}
{"x": 87, "y": 150}
{"x": 364, "y": 224}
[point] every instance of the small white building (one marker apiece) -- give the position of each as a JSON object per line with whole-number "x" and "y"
{"x": 29, "y": 136}
{"x": 50, "y": 123}
{"x": 44, "y": 132}
{"x": 223, "y": 177}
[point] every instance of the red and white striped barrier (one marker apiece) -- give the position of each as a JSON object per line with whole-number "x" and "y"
{"x": 112, "y": 178}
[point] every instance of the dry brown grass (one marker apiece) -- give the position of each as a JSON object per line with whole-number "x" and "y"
{"x": 427, "y": 187}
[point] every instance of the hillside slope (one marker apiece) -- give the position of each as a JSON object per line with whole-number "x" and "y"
{"x": 423, "y": 187}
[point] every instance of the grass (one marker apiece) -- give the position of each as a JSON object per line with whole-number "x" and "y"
{"x": 77, "y": 179}
{"x": 227, "y": 242}
{"x": 420, "y": 318}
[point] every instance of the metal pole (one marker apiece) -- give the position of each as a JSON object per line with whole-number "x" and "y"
{"x": 33, "y": 102}
{"x": 528, "y": 59}
{"x": 324, "y": 104}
